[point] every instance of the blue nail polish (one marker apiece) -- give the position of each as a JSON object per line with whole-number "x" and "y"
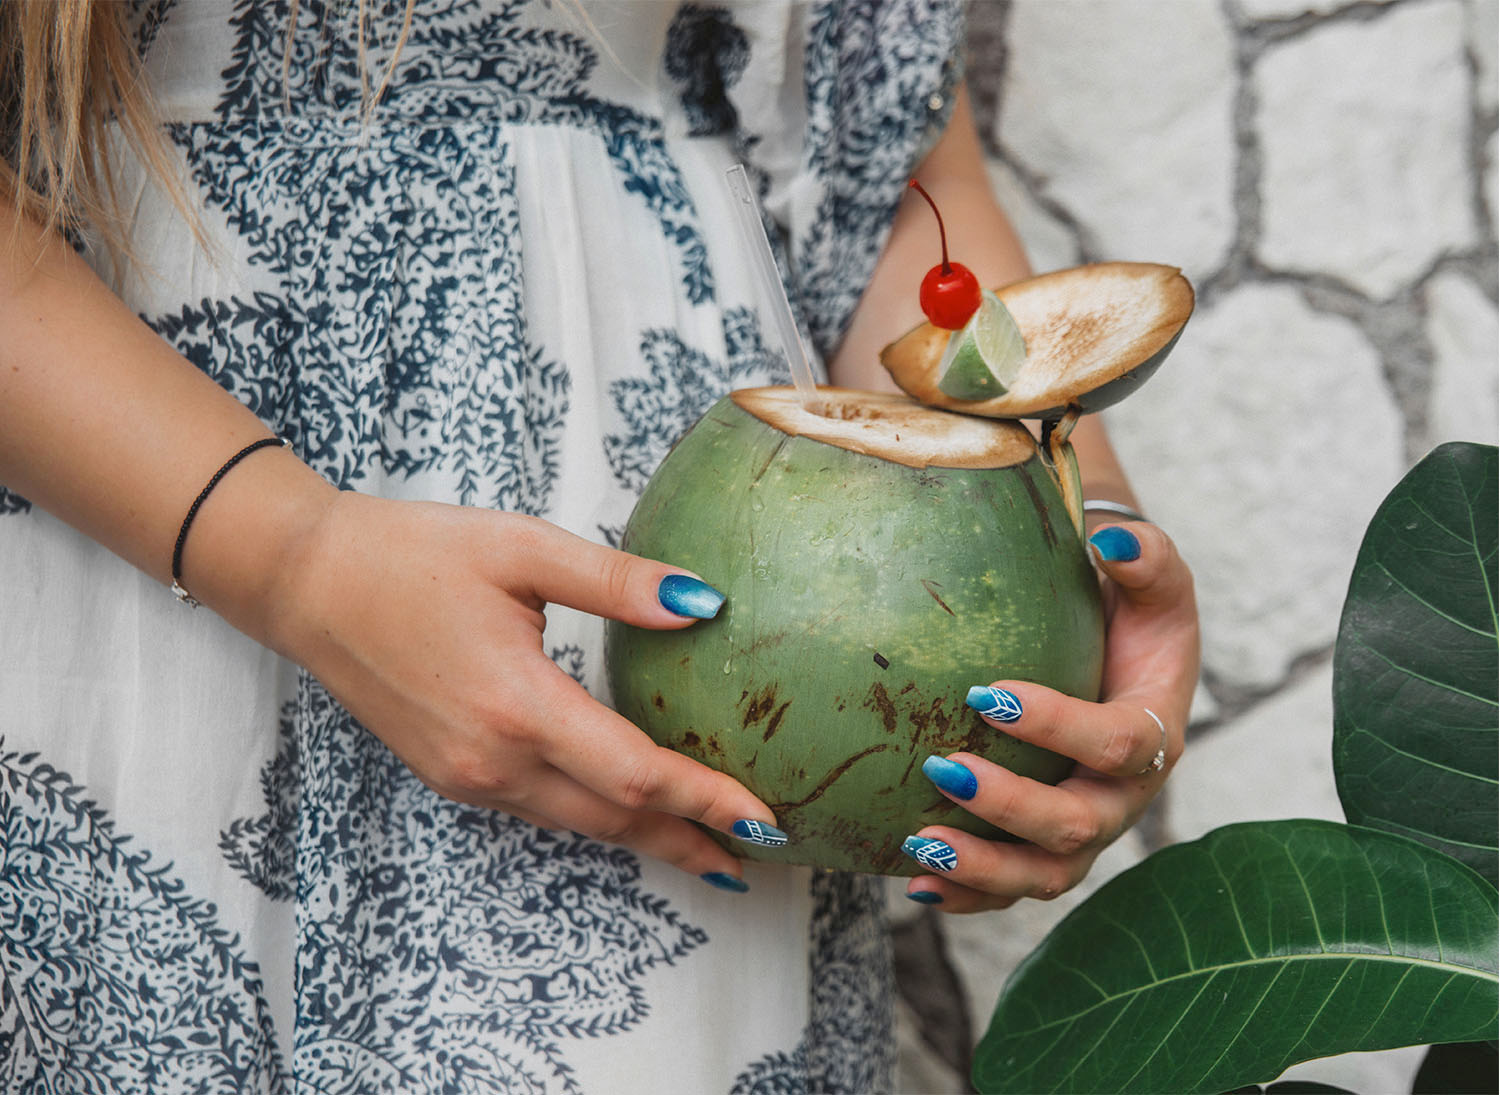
{"x": 994, "y": 703}
{"x": 758, "y": 832}
{"x": 687, "y": 596}
{"x": 724, "y": 882}
{"x": 930, "y": 853}
{"x": 1116, "y": 545}
{"x": 951, "y": 776}
{"x": 925, "y": 897}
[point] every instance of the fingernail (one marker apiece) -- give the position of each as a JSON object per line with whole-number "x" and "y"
{"x": 994, "y": 703}
{"x": 688, "y": 596}
{"x": 930, "y": 853}
{"x": 1116, "y": 545}
{"x": 951, "y": 776}
{"x": 725, "y": 882}
{"x": 925, "y": 897}
{"x": 758, "y": 832}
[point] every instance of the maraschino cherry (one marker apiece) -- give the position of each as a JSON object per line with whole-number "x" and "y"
{"x": 950, "y": 291}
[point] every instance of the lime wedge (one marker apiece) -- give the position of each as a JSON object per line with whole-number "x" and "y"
{"x": 982, "y": 360}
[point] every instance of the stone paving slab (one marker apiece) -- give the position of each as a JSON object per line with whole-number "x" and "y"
{"x": 1462, "y": 327}
{"x": 1263, "y": 445}
{"x": 1363, "y": 131}
{"x": 1149, "y": 101}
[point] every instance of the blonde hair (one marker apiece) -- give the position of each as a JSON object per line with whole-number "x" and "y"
{"x": 68, "y": 71}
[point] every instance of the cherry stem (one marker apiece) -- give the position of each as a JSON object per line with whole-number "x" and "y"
{"x": 942, "y": 232}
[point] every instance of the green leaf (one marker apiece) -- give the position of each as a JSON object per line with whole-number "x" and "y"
{"x": 1222, "y": 962}
{"x": 1291, "y": 1087}
{"x": 1415, "y": 667}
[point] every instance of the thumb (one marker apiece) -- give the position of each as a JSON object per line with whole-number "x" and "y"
{"x": 1144, "y": 564}
{"x": 568, "y": 570}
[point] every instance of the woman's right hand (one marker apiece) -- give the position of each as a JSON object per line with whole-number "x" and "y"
{"x": 425, "y": 621}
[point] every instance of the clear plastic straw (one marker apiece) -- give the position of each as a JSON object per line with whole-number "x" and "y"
{"x": 747, "y": 211}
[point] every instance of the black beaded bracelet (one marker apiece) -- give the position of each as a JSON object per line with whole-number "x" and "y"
{"x": 177, "y": 587}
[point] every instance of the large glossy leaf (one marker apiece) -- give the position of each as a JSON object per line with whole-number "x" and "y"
{"x": 1220, "y": 963}
{"x": 1415, "y": 667}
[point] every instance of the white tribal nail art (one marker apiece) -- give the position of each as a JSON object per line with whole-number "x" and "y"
{"x": 930, "y": 853}
{"x": 994, "y": 703}
{"x": 758, "y": 832}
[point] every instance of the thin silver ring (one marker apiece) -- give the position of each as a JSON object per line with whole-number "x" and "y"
{"x": 1159, "y": 761}
{"x": 1119, "y": 509}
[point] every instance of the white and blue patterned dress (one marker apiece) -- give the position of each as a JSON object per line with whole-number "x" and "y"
{"x": 513, "y": 289}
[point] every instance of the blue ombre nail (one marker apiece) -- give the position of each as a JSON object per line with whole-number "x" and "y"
{"x": 721, "y": 881}
{"x": 930, "y": 853}
{"x": 758, "y": 832}
{"x": 925, "y": 897}
{"x": 1116, "y": 545}
{"x": 951, "y": 776}
{"x": 688, "y": 596}
{"x": 994, "y": 703}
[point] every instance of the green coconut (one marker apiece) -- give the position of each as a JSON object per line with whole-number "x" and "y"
{"x": 880, "y": 555}
{"x": 878, "y": 559}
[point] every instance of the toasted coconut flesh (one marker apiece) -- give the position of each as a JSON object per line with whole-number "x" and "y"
{"x": 1093, "y": 334}
{"x": 890, "y": 427}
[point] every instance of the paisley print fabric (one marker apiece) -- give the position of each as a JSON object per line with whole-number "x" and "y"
{"x": 512, "y": 284}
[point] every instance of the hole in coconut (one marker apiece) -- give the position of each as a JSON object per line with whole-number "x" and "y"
{"x": 849, "y": 412}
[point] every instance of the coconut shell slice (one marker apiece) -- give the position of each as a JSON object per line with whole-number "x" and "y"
{"x": 1093, "y": 335}
{"x": 889, "y": 426}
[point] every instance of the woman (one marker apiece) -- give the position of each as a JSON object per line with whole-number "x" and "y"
{"x": 359, "y": 824}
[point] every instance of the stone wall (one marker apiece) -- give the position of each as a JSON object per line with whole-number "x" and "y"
{"x": 1324, "y": 173}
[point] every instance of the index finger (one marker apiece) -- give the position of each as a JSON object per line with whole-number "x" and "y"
{"x": 568, "y": 570}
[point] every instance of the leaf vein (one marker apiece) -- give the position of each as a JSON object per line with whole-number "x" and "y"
{"x": 1249, "y": 1015}
{"x": 1312, "y": 901}
{"x": 1239, "y": 921}
{"x": 1417, "y": 758}
{"x": 1434, "y": 609}
{"x": 1393, "y": 825}
{"x": 1413, "y": 963}
{"x": 1414, "y": 675}
{"x": 1182, "y": 1014}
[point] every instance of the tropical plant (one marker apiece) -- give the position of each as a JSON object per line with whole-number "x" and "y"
{"x": 1215, "y": 965}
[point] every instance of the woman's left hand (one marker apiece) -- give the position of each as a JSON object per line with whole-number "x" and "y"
{"x": 1151, "y": 666}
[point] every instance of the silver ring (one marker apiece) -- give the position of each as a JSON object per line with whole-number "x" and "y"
{"x": 1119, "y": 509}
{"x": 1159, "y": 761}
